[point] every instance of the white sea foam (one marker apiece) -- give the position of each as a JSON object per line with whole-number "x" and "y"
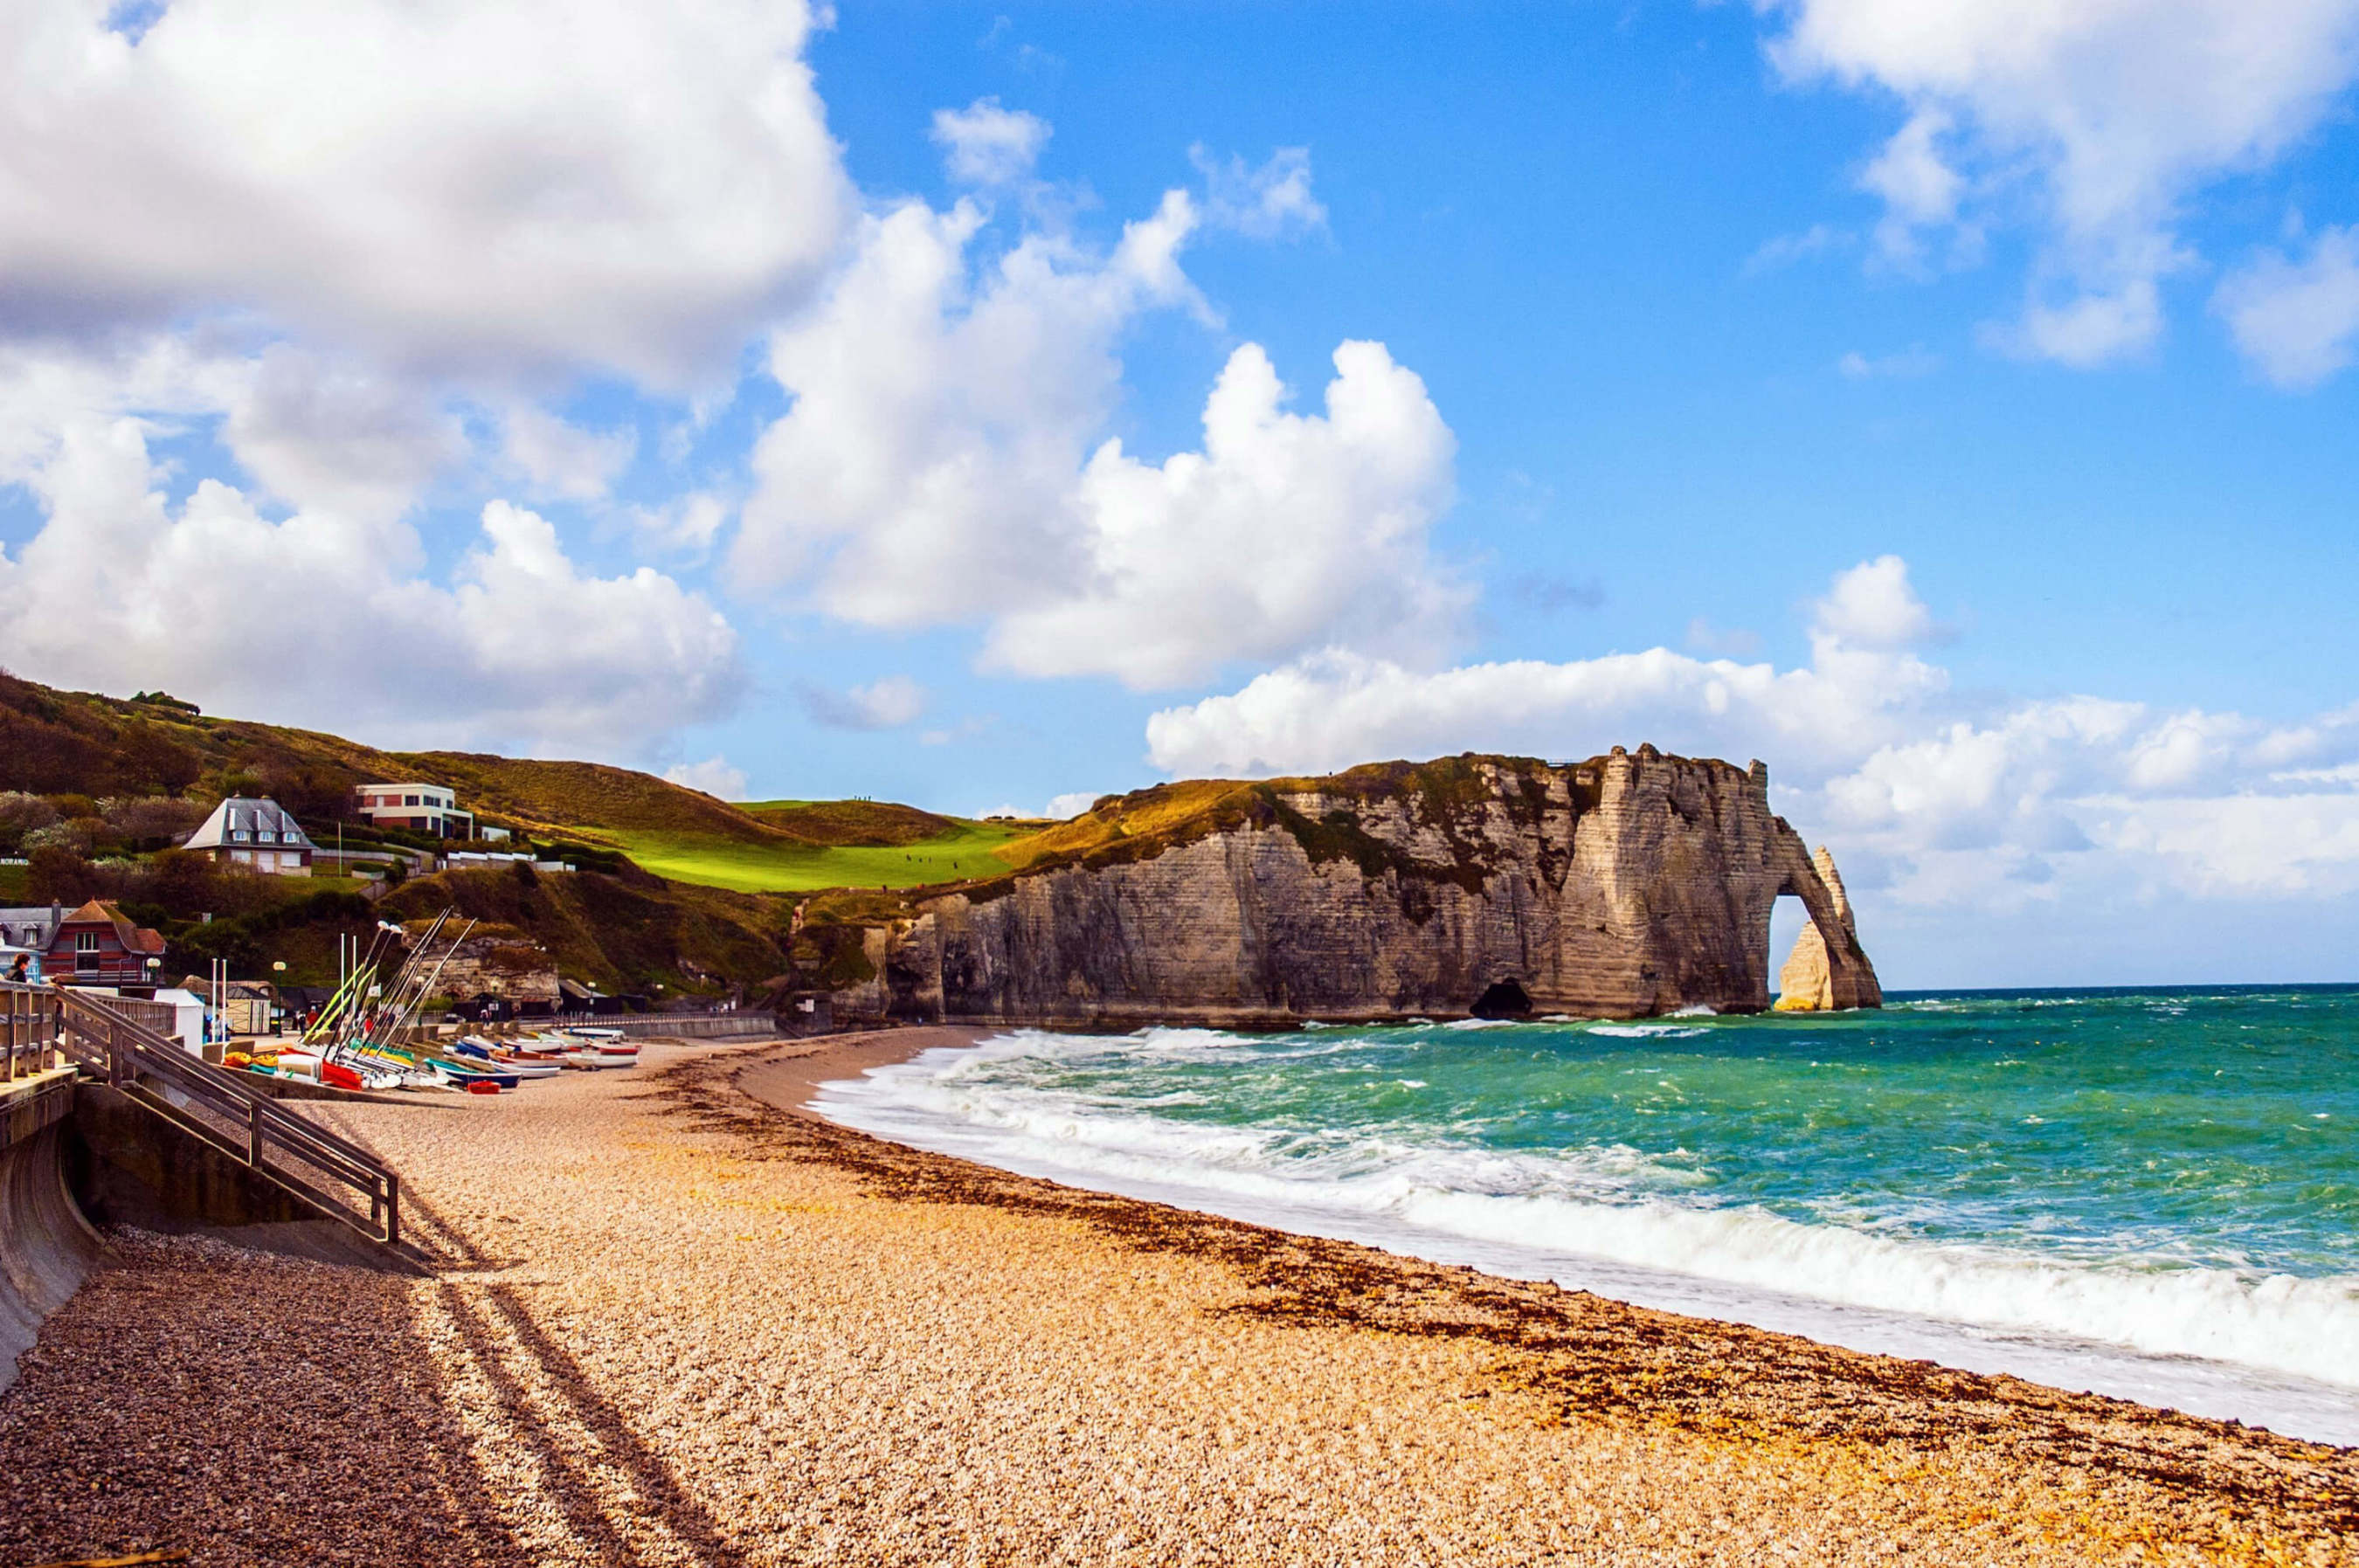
{"x": 1561, "y": 1213}
{"x": 1646, "y": 1031}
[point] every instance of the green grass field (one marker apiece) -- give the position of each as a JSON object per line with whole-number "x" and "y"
{"x": 964, "y": 851}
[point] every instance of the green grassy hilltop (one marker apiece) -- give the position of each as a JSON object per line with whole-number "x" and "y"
{"x": 826, "y": 844}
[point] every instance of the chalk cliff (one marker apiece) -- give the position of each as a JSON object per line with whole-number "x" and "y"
{"x": 1807, "y": 983}
{"x": 1623, "y": 886}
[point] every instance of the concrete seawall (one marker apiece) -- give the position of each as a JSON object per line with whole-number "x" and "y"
{"x": 47, "y": 1248}
{"x": 688, "y": 1026}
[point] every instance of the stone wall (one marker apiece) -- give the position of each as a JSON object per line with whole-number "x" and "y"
{"x": 503, "y": 964}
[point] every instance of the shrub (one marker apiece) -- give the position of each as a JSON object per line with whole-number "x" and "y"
{"x": 151, "y": 821}
{"x": 21, "y": 814}
{"x": 69, "y": 836}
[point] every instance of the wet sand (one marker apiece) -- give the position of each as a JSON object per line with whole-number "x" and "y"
{"x": 674, "y": 1323}
{"x": 788, "y": 1079}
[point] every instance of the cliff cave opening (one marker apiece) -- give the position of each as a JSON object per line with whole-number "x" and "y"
{"x": 1503, "y": 998}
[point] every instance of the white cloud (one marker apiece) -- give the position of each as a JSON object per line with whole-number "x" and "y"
{"x": 985, "y": 144}
{"x": 336, "y": 436}
{"x": 923, "y": 472}
{"x": 499, "y": 189}
{"x": 2297, "y": 320}
{"x": 690, "y": 521}
{"x": 945, "y": 462}
{"x": 1873, "y": 606}
{"x": 1918, "y": 187}
{"x": 2098, "y": 118}
{"x": 561, "y": 459}
{"x": 1907, "y": 364}
{"x": 714, "y": 777}
{"x": 322, "y": 618}
{"x": 1785, "y": 250}
{"x": 353, "y": 252}
{"x": 1270, "y": 203}
{"x": 1064, "y": 806}
{"x": 1935, "y": 798}
{"x": 316, "y": 432}
{"x": 1727, "y": 641}
{"x": 1286, "y": 529}
{"x": 887, "y": 704}
{"x": 2096, "y": 326}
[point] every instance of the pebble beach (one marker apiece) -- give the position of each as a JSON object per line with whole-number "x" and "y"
{"x": 669, "y": 1318}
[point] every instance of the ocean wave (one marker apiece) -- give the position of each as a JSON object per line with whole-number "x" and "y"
{"x": 1611, "y": 1203}
{"x": 1646, "y": 1031}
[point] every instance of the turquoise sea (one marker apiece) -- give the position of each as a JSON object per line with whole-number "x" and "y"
{"x": 2151, "y": 1193}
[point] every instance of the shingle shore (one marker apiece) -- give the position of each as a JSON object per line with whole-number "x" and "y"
{"x": 672, "y": 1324}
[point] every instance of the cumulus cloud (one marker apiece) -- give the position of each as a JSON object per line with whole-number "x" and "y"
{"x": 2099, "y": 118}
{"x": 504, "y": 191}
{"x": 1939, "y": 799}
{"x": 1071, "y": 804}
{"x": 1284, "y": 529}
{"x": 985, "y": 144}
{"x": 324, "y": 618}
{"x": 341, "y": 260}
{"x": 2296, "y": 322}
{"x": 714, "y": 777}
{"x": 887, "y": 704}
{"x": 946, "y": 461}
{"x": 1873, "y": 605}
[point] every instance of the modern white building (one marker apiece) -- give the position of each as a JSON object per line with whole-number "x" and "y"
{"x": 421, "y": 808}
{"x": 243, "y": 831}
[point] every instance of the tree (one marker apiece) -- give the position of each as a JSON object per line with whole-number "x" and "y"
{"x": 55, "y": 873}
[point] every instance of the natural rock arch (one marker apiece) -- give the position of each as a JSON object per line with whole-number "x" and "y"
{"x": 1826, "y": 971}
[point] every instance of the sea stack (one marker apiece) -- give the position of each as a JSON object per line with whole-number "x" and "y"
{"x": 1628, "y": 885}
{"x": 1808, "y": 983}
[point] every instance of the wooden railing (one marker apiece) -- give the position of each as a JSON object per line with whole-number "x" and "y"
{"x": 29, "y": 1029}
{"x": 340, "y": 1178}
{"x": 160, "y": 1016}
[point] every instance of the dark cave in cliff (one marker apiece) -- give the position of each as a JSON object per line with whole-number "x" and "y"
{"x": 1503, "y": 998}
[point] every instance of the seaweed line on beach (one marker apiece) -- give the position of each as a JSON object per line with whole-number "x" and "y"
{"x": 1589, "y": 1358}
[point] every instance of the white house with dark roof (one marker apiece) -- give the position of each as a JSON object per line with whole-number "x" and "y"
{"x": 258, "y": 834}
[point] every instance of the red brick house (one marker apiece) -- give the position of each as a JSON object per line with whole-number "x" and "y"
{"x": 96, "y": 946}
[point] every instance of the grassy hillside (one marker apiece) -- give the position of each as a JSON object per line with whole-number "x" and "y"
{"x": 961, "y": 852}
{"x": 627, "y": 933}
{"x": 53, "y": 742}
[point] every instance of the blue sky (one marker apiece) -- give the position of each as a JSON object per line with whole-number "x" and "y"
{"x": 1950, "y": 409}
